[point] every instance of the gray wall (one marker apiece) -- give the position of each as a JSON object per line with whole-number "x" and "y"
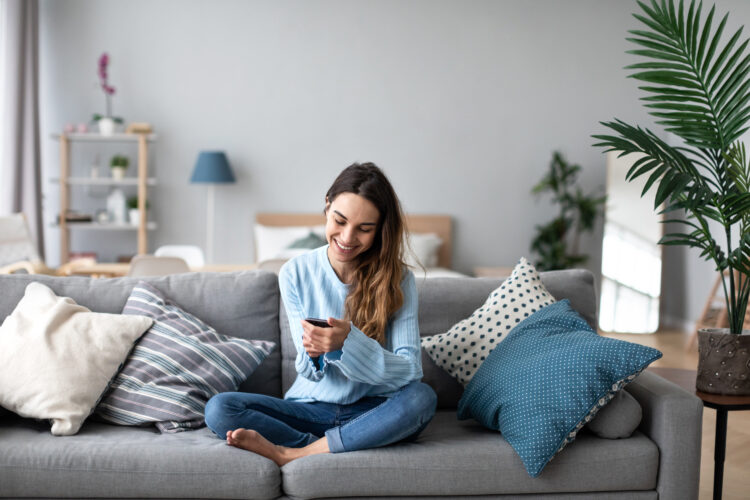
{"x": 461, "y": 103}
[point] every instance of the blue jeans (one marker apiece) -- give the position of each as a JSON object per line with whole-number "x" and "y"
{"x": 369, "y": 423}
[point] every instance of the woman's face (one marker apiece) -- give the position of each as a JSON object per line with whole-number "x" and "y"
{"x": 351, "y": 225}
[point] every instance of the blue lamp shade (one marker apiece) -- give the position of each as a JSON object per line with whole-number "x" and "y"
{"x": 212, "y": 167}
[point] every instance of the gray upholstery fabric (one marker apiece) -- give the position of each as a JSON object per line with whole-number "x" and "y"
{"x": 242, "y": 304}
{"x": 600, "y": 495}
{"x": 110, "y": 461}
{"x": 451, "y": 459}
{"x": 444, "y": 302}
{"x": 673, "y": 419}
{"x": 609, "y": 495}
{"x": 462, "y": 458}
{"x": 618, "y": 419}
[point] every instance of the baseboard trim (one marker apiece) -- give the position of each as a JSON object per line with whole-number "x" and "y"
{"x": 675, "y": 323}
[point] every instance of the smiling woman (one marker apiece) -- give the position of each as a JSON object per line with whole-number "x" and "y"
{"x": 358, "y": 383}
{"x": 373, "y": 266}
{"x": 349, "y": 236}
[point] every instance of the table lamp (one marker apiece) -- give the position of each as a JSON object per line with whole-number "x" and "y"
{"x": 211, "y": 168}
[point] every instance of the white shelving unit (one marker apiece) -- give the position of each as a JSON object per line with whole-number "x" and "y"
{"x": 141, "y": 181}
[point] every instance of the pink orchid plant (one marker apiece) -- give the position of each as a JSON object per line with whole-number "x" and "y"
{"x": 108, "y": 89}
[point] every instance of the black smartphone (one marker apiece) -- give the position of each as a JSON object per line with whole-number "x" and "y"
{"x": 318, "y": 322}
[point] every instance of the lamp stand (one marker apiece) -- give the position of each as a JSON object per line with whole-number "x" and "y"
{"x": 210, "y": 225}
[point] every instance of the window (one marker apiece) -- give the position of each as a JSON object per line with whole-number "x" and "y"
{"x": 631, "y": 281}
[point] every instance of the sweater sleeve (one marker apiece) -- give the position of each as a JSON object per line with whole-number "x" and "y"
{"x": 364, "y": 360}
{"x": 295, "y": 314}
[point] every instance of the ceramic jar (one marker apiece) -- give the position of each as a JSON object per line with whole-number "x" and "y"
{"x": 723, "y": 362}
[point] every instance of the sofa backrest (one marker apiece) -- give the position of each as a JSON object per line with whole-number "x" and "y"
{"x": 241, "y": 304}
{"x": 248, "y": 305}
{"x": 444, "y": 302}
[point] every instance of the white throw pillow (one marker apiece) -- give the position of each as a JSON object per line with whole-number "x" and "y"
{"x": 57, "y": 357}
{"x": 424, "y": 249}
{"x": 272, "y": 242}
{"x": 467, "y": 344}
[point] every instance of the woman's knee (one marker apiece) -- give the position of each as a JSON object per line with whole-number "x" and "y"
{"x": 217, "y": 409}
{"x": 421, "y": 398}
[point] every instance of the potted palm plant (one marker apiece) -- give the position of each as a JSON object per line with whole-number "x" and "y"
{"x": 698, "y": 88}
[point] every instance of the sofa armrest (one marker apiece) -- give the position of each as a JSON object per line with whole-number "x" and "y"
{"x": 673, "y": 419}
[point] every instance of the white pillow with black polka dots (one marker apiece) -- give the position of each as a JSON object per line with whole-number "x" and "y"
{"x": 467, "y": 344}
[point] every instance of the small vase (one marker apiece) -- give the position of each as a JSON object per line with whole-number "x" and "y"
{"x": 723, "y": 362}
{"x": 116, "y": 206}
{"x": 106, "y": 126}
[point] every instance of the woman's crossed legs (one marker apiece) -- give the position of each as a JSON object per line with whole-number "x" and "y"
{"x": 285, "y": 430}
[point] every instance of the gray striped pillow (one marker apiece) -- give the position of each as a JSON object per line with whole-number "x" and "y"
{"x": 176, "y": 366}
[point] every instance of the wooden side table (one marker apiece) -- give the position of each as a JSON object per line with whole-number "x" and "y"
{"x": 722, "y": 404}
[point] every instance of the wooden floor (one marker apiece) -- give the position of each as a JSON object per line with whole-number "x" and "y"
{"x": 673, "y": 344}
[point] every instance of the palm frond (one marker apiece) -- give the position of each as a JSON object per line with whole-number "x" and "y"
{"x": 665, "y": 164}
{"x": 697, "y": 82}
{"x": 686, "y": 61}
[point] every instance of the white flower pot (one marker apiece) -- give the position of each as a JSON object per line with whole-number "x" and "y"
{"x": 106, "y": 126}
{"x": 135, "y": 216}
{"x": 118, "y": 173}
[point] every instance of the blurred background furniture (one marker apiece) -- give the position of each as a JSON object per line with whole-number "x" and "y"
{"x": 71, "y": 176}
{"x": 151, "y": 265}
{"x": 18, "y": 253}
{"x": 192, "y": 254}
{"x": 17, "y": 249}
{"x": 493, "y": 272}
{"x": 115, "y": 269}
{"x": 281, "y": 236}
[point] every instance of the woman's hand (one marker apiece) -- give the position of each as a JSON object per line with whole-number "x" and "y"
{"x": 318, "y": 340}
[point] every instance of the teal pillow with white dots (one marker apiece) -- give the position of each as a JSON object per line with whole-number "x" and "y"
{"x": 547, "y": 379}
{"x": 463, "y": 349}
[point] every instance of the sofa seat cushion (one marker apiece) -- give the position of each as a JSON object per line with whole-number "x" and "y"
{"x": 454, "y": 458}
{"x": 105, "y": 460}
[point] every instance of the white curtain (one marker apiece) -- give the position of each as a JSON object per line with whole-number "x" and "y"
{"x": 20, "y": 160}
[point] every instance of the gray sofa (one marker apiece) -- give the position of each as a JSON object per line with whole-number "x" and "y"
{"x": 451, "y": 458}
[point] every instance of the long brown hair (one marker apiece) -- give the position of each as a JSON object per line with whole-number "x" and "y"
{"x": 375, "y": 292}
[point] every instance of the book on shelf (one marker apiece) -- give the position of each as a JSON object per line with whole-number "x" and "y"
{"x": 73, "y": 216}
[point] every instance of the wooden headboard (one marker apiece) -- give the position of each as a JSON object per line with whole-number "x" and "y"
{"x": 438, "y": 224}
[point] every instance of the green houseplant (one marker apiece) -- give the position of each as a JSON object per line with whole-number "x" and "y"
{"x": 119, "y": 164}
{"x": 132, "y": 203}
{"x": 556, "y": 242}
{"x": 134, "y": 213}
{"x": 698, "y": 88}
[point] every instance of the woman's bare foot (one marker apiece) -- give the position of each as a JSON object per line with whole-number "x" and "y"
{"x": 250, "y": 440}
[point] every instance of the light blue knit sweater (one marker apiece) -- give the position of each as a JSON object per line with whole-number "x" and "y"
{"x": 311, "y": 288}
